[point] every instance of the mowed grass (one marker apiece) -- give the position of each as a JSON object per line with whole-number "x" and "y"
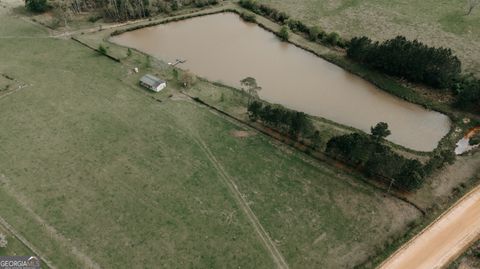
{"x": 11, "y": 26}
{"x": 437, "y": 23}
{"x": 94, "y": 171}
{"x": 318, "y": 216}
{"x": 111, "y": 170}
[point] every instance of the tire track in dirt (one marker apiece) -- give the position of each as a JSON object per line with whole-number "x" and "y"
{"x": 237, "y": 195}
{"x": 262, "y": 234}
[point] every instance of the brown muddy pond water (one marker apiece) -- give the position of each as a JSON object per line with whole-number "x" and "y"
{"x": 224, "y": 48}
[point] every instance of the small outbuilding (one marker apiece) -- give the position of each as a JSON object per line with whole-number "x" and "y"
{"x": 153, "y": 83}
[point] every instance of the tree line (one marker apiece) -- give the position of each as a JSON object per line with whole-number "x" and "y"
{"x": 468, "y": 94}
{"x": 413, "y": 60}
{"x": 368, "y": 153}
{"x": 292, "y": 122}
{"x": 417, "y": 62}
{"x": 117, "y": 10}
{"x": 314, "y": 33}
{"x": 122, "y": 10}
{"x": 376, "y": 159}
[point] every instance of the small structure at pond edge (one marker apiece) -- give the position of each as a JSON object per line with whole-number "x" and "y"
{"x": 153, "y": 83}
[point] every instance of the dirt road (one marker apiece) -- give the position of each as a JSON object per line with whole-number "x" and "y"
{"x": 443, "y": 240}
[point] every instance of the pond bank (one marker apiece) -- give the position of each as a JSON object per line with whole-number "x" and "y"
{"x": 224, "y": 48}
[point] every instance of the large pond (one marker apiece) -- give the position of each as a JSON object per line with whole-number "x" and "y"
{"x": 224, "y": 48}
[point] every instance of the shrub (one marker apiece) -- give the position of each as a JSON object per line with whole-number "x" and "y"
{"x": 313, "y": 33}
{"x": 283, "y": 34}
{"x": 297, "y": 26}
{"x": 332, "y": 38}
{"x": 37, "y": 5}
{"x": 188, "y": 79}
{"x": 248, "y": 4}
{"x": 204, "y": 3}
{"x": 94, "y": 18}
{"x": 102, "y": 49}
{"x": 411, "y": 176}
{"x": 264, "y": 10}
{"x": 248, "y": 17}
{"x": 148, "y": 61}
{"x": 439, "y": 160}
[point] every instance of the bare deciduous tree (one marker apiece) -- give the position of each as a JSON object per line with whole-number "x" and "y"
{"x": 471, "y": 4}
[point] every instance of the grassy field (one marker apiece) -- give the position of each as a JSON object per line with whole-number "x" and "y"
{"x": 94, "y": 172}
{"x": 437, "y": 23}
{"x": 15, "y": 247}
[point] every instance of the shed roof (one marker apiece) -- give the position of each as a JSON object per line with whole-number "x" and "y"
{"x": 151, "y": 80}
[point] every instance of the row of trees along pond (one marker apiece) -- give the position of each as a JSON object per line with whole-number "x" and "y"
{"x": 365, "y": 152}
{"x": 287, "y": 121}
{"x": 412, "y": 60}
{"x": 368, "y": 153}
{"x": 314, "y": 33}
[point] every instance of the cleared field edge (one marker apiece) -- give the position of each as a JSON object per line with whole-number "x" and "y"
{"x": 475, "y": 190}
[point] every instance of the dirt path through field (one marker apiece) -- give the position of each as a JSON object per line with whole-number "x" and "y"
{"x": 262, "y": 234}
{"x": 240, "y": 200}
{"x": 443, "y": 240}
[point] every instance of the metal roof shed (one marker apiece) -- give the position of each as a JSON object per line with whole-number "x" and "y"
{"x": 153, "y": 83}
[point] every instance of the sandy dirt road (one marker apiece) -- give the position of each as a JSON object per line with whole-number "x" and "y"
{"x": 443, "y": 240}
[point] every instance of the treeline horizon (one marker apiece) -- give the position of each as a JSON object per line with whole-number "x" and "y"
{"x": 116, "y": 10}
